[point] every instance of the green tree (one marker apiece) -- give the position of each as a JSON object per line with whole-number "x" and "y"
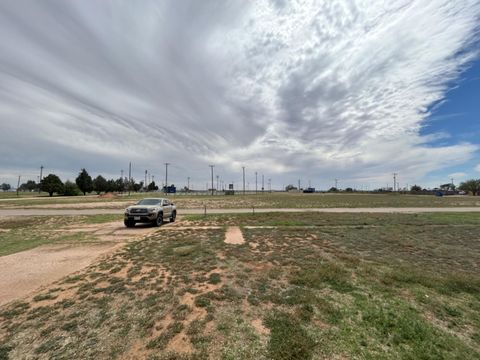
{"x": 471, "y": 186}
{"x": 70, "y": 189}
{"x": 5, "y": 187}
{"x": 100, "y": 184}
{"x": 152, "y": 186}
{"x": 290, "y": 187}
{"x": 51, "y": 184}
{"x": 30, "y": 185}
{"x": 84, "y": 182}
{"x": 416, "y": 188}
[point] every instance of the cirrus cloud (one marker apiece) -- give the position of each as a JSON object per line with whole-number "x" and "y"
{"x": 319, "y": 88}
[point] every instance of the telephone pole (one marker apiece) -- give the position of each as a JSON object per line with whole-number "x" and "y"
{"x": 166, "y": 176}
{"x": 41, "y": 171}
{"x": 270, "y": 185}
{"x": 211, "y": 167}
{"x": 263, "y": 188}
{"x": 217, "y": 181}
{"x": 129, "y": 176}
{"x": 188, "y": 184}
{"x": 394, "y": 181}
{"x": 298, "y": 184}
{"x": 256, "y": 180}
{"x": 18, "y": 184}
{"x": 145, "y": 183}
{"x": 243, "y": 168}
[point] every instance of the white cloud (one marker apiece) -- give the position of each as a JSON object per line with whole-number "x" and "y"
{"x": 318, "y": 89}
{"x": 477, "y": 168}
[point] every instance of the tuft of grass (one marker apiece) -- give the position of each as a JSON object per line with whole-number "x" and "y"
{"x": 288, "y": 339}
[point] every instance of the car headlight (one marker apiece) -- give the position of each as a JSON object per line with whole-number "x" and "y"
{"x": 126, "y": 211}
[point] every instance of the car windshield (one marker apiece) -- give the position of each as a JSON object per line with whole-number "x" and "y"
{"x": 149, "y": 202}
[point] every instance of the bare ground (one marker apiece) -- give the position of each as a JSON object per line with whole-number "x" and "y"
{"x": 23, "y": 273}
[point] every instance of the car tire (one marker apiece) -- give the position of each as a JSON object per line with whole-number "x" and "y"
{"x": 173, "y": 216}
{"x": 159, "y": 220}
{"x": 129, "y": 223}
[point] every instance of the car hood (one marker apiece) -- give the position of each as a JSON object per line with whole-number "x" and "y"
{"x": 143, "y": 207}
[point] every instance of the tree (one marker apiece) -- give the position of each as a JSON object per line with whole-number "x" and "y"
{"x": 152, "y": 186}
{"x": 84, "y": 181}
{"x": 111, "y": 185}
{"x": 137, "y": 186}
{"x": 5, "y": 187}
{"x": 333, "y": 189}
{"x": 70, "y": 189}
{"x": 416, "y": 188}
{"x": 51, "y": 184}
{"x": 471, "y": 186}
{"x": 290, "y": 187}
{"x": 100, "y": 184}
{"x": 349, "y": 189}
{"x": 30, "y": 185}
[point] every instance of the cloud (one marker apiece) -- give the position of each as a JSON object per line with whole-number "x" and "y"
{"x": 318, "y": 89}
{"x": 477, "y": 168}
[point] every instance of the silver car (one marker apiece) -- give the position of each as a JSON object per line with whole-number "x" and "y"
{"x": 152, "y": 210}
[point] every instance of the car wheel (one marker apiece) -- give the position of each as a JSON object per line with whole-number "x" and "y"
{"x": 159, "y": 220}
{"x": 129, "y": 223}
{"x": 174, "y": 215}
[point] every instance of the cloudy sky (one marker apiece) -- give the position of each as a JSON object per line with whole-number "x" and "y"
{"x": 316, "y": 90}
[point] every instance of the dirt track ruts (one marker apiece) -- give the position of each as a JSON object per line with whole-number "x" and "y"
{"x": 59, "y": 212}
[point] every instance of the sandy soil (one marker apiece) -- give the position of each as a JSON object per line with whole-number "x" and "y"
{"x": 234, "y": 236}
{"x": 23, "y": 273}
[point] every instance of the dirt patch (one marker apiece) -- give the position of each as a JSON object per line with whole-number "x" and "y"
{"x": 234, "y": 236}
{"x": 23, "y": 272}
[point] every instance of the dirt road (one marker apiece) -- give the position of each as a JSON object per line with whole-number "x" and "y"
{"x": 55, "y": 212}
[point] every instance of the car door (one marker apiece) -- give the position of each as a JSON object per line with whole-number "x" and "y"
{"x": 167, "y": 209}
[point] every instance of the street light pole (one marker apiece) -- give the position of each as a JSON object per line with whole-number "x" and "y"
{"x": 211, "y": 167}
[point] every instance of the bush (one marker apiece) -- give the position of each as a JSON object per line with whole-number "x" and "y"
{"x": 70, "y": 189}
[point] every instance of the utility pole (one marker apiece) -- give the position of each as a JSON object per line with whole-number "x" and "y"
{"x": 217, "y": 182}
{"x": 129, "y": 176}
{"x": 18, "y": 184}
{"x": 394, "y": 181}
{"x": 145, "y": 183}
{"x": 166, "y": 176}
{"x": 262, "y": 184}
{"x": 256, "y": 180}
{"x": 121, "y": 175}
{"x": 336, "y": 184}
{"x": 188, "y": 184}
{"x": 243, "y": 168}
{"x": 270, "y": 185}
{"x": 41, "y": 171}
{"x": 298, "y": 184}
{"x": 211, "y": 167}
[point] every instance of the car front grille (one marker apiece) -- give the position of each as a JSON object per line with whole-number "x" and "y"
{"x": 138, "y": 211}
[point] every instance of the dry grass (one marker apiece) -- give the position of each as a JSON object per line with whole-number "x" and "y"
{"x": 321, "y": 287}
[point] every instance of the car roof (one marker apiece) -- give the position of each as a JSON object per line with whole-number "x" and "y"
{"x": 153, "y": 199}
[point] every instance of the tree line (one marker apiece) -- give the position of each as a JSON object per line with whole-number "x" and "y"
{"x": 83, "y": 184}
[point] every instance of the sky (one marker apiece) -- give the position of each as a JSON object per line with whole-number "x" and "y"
{"x": 309, "y": 90}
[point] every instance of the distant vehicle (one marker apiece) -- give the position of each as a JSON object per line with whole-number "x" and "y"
{"x": 309, "y": 190}
{"x": 170, "y": 189}
{"x": 151, "y": 210}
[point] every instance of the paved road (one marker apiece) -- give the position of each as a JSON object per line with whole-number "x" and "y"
{"x": 59, "y": 212}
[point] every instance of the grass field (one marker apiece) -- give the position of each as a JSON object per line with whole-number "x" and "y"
{"x": 302, "y": 286}
{"x": 24, "y": 233}
{"x": 267, "y": 200}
